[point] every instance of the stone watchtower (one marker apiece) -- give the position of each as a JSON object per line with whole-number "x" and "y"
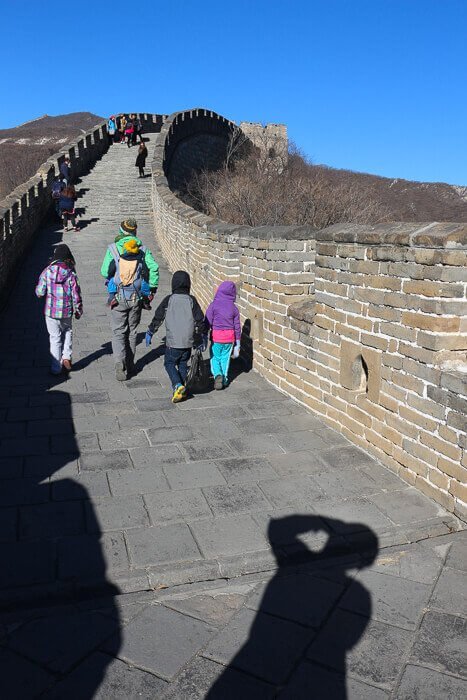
{"x": 270, "y": 139}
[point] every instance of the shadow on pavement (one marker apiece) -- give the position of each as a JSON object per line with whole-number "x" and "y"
{"x": 105, "y": 349}
{"x": 299, "y": 637}
{"x": 52, "y": 563}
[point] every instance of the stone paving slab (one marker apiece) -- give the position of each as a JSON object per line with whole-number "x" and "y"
{"x": 162, "y": 640}
{"x": 109, "y": 491}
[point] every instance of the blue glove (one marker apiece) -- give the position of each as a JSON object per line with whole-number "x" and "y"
{"x": 204, "y": 344}
{"x": 236, "y": 350}
{"x": 148, "y": 338}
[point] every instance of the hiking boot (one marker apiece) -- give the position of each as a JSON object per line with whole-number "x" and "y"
{"x": 179, "y": 393}
{"x": 219, "y": 382}
{"x": 120, "y": 372}
{"x": 66, "y": 364}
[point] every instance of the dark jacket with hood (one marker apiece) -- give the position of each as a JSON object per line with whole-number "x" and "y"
{"x": 65, "y": 170}
{"x": 181, "y": 312}
{"x": 141, "y": 158}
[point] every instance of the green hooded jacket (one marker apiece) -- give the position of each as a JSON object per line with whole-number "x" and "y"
{"x": 151, "y": 264}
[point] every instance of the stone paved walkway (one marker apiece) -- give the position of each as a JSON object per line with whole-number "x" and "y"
{"x": 229, "y": 547}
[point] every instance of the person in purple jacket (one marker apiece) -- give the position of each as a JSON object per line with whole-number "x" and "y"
{"x": 223, "y": 318}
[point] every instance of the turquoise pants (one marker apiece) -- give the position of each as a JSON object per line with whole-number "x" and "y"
{"x": 220, "y": 359}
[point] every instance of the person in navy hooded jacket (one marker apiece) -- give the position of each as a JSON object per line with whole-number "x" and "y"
{"x": 223, "y": 318}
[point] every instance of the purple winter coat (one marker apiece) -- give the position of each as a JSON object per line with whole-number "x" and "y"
{"x": 222, "y": 314}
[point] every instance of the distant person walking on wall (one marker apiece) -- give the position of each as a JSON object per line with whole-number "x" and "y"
{"x": 65, "y": 171}
{"x": 126, "y": 315}
{"x": 184, "y": 320}
{"x": 111, "y": 129}
{"x": 134, "y": 134}
{"x": 66, "y": 205}
{"x": 129, "y": 130}
{"x": 122, "y": 128}
{"x": 141, "y": 159}
{"x": 57, "y": 188}
{"x": 138, "y": 129}
{"x": 59, "y": 284}
{"x": 223, "y": 318}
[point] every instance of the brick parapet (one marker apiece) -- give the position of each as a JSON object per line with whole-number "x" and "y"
{"x": 23, "y": 211}
{"x": 364, "y": 325}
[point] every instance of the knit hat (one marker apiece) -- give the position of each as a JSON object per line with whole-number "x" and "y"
{"x": 62, "y": 253}
{"x": 127, "y": 228}
{"x": 131, "y": 246}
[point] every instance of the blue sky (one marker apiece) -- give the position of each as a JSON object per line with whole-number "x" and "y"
{"x": 372, "y": 85}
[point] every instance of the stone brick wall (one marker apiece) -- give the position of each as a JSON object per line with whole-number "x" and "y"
{"x": 371, "y": 334}
{"x": 23, "y": 211}
{"x": 194, "y": 140}
{"x": 385, "y": 345}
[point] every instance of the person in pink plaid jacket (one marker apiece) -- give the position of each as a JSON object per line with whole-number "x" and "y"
{"x": 59, "y": 284}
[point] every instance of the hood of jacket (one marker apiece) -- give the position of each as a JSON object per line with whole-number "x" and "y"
{"x": 226, "y": 291}
{"x": 120, "y": 240}
{"x": 60, "y": 272}
{"x": 181, "y": 282}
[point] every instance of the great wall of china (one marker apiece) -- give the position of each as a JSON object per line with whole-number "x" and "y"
{"x": 366, "y": 326}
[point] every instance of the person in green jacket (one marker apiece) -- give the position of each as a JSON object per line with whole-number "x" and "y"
{"x": 128, "y": 276}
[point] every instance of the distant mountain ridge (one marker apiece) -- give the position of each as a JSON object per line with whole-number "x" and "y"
{"x": 405, "y": 200}
{"x": 25, "y": 147}
{"x": 56, "y": 128}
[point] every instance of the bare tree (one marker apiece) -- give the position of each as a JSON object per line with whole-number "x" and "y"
{"x": 237, "y": 147}
{"x": 249, "y": 190}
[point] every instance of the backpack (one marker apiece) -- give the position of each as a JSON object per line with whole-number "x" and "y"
{"x": 56, "y": 189}
{"x": 128, "y": 269}
{"x": 198, "y": 378}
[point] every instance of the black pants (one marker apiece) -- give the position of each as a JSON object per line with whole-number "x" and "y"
{"x": 68, "y": 216}
{"x": 141, "y": 170}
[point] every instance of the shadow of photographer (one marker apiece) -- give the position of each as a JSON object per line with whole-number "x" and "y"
{"x": 298, "y": 636}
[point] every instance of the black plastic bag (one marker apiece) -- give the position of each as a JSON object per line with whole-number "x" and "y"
{"x": 199, "y": 376}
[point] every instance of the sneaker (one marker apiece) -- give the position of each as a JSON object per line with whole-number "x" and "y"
{"x": 179, "y": 393}
{"x": 113, "y": 303}
{"x": 219, "y": 382}
{"x": 66, "y": 365}
{"x": 120, "y": 372}
{"x": 55, "y": 372}
{"x": 145, "y": 303}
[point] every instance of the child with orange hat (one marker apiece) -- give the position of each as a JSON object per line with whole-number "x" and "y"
{"x": 131, "y": 271}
